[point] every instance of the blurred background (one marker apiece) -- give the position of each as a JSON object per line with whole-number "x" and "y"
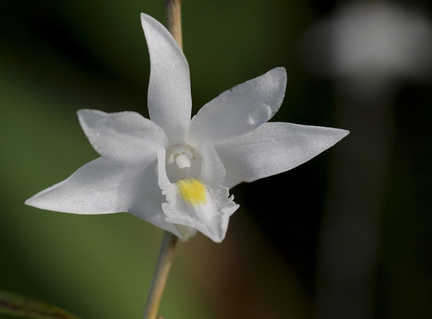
{"x": 346, "y": 235}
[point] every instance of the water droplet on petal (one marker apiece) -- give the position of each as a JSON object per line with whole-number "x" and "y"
{"x": 260, "y": 115}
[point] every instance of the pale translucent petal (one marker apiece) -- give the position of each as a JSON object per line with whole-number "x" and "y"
{"x": 146, "y": 204}
{"x": 210, "y": 217}
{"x": 272, "y": 149}
{"x": 239, "y": 110}
{"x": 212, "y": 169}
{"x": 124, "y": 137}
{"x": 105, "y": 187}
{"x": 99, "y": 187}
{"x": 185, "y": 232}
{"x": 169, "y": 94}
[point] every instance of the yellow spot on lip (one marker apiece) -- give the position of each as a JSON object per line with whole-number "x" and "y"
{"x": 192, "y": 191}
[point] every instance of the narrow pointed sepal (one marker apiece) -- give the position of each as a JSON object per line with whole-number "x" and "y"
{"x": 99, "y": 187}
{"x": 274, "y": 148}
{"x": 240, "y": 109}
{"x": 169, "y": 92}
{"x": 125, "y": 137}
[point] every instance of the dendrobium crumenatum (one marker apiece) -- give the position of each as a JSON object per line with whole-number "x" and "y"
{"x": 173, "y": 171}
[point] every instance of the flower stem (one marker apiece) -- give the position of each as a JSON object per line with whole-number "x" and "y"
{"x": 173, "y": 16}
{"x": 160, "y": 277}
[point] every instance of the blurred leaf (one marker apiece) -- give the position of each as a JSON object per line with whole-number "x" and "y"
{"x": 26, "y": 307}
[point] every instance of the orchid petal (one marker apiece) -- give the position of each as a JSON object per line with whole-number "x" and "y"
{"x": 146, "y": 203}
{"x": 208, "y": 212}
{"x": 274, "y": 148}
{"x": 239, "y": 110}
{"x": 169, "y": 93}
{"x": 99, "y": 187}
{"x": 126, "y": 137}
{"x": 212, "y": 168}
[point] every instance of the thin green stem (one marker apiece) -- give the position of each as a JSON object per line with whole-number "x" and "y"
{"x": 160, "y": 277}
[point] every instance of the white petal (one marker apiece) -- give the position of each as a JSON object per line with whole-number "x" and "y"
{"x": 212, "y": 169}
{"x": 99, "y": 187}
{"x": 239, "y": 110}
{"x": 169, "y": 94}
{"x": 105, "y": 187}
{"x": 124, "y": 137}
{"x": 272, "y": 149}
{"x": 147, "y": 203}
{"x": 208, "y": 212}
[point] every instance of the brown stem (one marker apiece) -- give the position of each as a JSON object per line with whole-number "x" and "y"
{"x": 160, "y": 277}
{"x": 173, "y": 16}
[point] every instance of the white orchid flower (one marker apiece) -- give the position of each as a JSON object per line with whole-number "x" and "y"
{"x": 173, "y": 171}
